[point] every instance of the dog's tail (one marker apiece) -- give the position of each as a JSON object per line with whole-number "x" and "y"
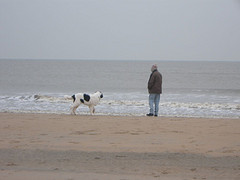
{"x": 67, "y": 97}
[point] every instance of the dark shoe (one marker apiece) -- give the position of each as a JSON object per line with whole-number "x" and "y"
{"x": 150, "y": 114}
{"x": 156, "y": 115}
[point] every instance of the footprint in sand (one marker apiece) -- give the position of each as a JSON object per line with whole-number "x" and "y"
{"x": 122, "y": 132}
{"x": 72, "y": 142}
{"x": 134, "y": 133}
{"x": 11, "y": 164}
{"x": 87, "y": 132}
{"x": 14, "y": 141}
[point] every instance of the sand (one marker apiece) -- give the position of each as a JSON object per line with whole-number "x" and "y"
{"x": 67, "y": 147}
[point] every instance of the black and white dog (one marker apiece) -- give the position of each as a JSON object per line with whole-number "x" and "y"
{"x": 90, "y": 100}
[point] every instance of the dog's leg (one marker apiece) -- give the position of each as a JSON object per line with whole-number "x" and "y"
{"x": 71, "y": 109}
{"x": 74, "y": 108}
{"x": 92, "y": 109}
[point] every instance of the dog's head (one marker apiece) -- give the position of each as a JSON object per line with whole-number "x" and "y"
{"x": 100, "y": 94}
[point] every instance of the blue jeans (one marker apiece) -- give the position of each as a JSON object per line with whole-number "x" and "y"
{"x": 154, "y": 99}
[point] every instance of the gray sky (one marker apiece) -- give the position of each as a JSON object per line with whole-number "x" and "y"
{"x": 120, "y": 29}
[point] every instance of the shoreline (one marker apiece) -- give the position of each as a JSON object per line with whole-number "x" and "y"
{"x": 59, "y": 146}
{"x": 86, "y": 113}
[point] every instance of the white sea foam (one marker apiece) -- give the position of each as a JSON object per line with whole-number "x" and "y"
{"x": 128, "y": 106}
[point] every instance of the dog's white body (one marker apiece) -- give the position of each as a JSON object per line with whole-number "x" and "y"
{"x": 90, "y": 100}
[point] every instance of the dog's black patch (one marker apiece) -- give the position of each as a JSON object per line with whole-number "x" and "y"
{"x": 82, "y": 101}
{"x": 101, "y": 96}
{"x": 86, "y": 97}
{"x": 74, "y": 98}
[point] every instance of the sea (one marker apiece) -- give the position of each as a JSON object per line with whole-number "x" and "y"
{"x": 208, "y": 89}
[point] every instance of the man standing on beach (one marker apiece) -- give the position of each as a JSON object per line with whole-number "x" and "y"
{"x": 154, "y": 89}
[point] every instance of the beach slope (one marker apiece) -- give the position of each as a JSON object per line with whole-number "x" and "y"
{"x": 64, "y": 147}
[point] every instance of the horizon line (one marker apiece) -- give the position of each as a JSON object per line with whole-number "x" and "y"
{"x": 74, "y": 59}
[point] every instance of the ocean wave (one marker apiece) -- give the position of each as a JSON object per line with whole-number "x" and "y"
{"x": 50, "y": 98}
{"x": 109, "y": 106}
{"x": 144, "y": 103}
{"x": 206, "y": 105}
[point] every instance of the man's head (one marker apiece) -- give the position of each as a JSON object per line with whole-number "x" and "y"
{"x": 154, "y": 67}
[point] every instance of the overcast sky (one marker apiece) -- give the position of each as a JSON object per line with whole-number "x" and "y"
{"x": 120, "y": 29}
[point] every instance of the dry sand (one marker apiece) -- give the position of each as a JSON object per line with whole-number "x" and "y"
{"x": 65, "y": 147}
